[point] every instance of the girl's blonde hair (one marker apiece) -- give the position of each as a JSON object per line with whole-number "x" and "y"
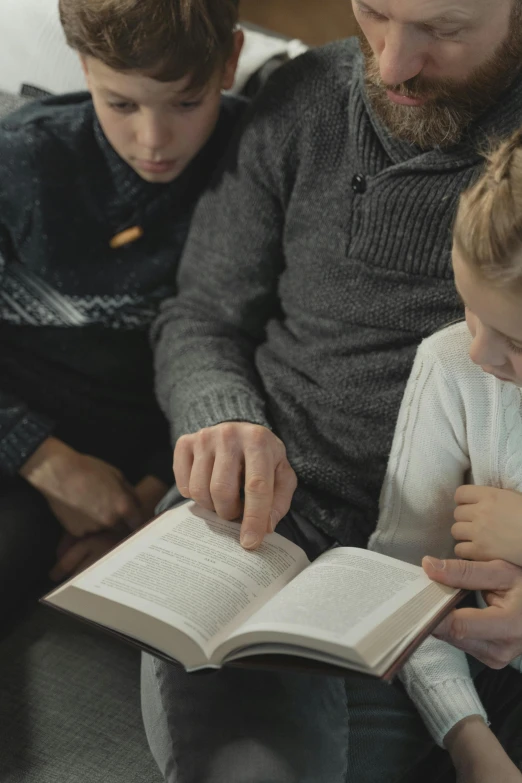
{"x": 488, "y": 226}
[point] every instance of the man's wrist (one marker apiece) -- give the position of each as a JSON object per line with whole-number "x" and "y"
{"x": 51, "y": 450}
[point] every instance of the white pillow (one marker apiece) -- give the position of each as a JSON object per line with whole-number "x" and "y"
{"x": 33, "y": 50}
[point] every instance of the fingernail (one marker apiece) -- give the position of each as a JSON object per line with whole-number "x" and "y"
{"x": 436, "y": 564}
{"x": 249, "y": 540}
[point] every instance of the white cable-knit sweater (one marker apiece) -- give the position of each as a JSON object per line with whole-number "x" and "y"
{"x": 456, "y": 425}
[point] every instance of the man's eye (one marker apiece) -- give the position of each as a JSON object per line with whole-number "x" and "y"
{"x": 444, "y": 36}
{"x": 188, "y": 105}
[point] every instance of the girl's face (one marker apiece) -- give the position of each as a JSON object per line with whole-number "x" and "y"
{"x": 494, "y": 318}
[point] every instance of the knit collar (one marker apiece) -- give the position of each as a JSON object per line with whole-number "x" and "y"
{"x": 499, "y": 121}
{"x": 126, "y": 180}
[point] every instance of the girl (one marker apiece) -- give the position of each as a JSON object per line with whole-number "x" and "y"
{"x": 455, "y": 470}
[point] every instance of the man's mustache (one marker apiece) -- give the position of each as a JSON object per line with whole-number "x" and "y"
{"x": 419, "y": 87}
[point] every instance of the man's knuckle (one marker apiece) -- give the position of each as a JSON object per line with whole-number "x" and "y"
{"x": 466, "y": 570}
{"x": 257, "y": 485}
{"x": 222, "y": 490}
{"x": 184, "y": 443}
{"x": 205, "y": 437}
{"x": 458, "y": 628}
{"x": 227, "y": 432}
{"x": 258, "y": 436}
{"x": 198, "y": 491}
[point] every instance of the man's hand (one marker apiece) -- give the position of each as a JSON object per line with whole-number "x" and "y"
{"x": 488, "y": 524}
{"x": 85, "y": 494}
{"x": 493, "y": 635}
{"x": 215, "y": 464}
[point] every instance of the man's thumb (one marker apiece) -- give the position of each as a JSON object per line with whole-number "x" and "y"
{"x": 469, "y": 575}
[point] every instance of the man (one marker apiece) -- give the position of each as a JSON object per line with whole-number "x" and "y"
{"x": 312, "y": 273}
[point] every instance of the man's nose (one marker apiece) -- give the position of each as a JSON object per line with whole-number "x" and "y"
{"x": 403, "y": 56}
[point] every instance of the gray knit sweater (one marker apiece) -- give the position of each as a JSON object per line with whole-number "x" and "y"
{"x": 312, "y": 272}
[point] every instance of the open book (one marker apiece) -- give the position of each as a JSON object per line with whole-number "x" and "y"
{"x": 184, "y": 588}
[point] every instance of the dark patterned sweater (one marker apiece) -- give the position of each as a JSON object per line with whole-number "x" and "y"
{"x": 310, "y": 277}
{"x": 75, "y": 359}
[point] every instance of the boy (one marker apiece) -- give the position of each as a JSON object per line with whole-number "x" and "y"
{"x": 96, "y": 195}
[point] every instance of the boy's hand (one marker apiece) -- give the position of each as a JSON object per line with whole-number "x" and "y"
{"x": 488, "y": 524}
{"x": 85, "y": 494}
{"x": 150, "y": 490}
{"x": 74, "y": 555}
{"x": 477, "y": 754}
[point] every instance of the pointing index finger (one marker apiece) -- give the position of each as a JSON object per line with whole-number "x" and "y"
{"x": 259, "y": 494}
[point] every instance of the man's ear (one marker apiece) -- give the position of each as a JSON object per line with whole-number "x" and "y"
{"x": 229, "y": 74}
{"x": 84, "y": 62}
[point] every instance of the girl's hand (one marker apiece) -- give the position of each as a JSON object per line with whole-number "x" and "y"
{"x": 477, "y": 754}
{"x": 488, "y": 524}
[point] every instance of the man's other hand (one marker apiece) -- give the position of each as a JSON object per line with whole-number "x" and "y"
{"x": 494, "y": 634}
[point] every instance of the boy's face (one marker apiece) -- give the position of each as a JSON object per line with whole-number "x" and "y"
{"x": 156, "y": 127}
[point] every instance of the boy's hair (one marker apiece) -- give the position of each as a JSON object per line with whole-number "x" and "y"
{"x": 488, "y": 227}
{"x": 164, "y": 39}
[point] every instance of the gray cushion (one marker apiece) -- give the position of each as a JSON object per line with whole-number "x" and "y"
{"x": 70, "y": 707}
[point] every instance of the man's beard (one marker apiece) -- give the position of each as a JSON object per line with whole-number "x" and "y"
{"x": 451, "y": 106}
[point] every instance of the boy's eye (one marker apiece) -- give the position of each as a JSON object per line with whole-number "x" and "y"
{"x": 122, "y": 106}
{"x": 372, "y": 14}
{"x": 188, "y": 105}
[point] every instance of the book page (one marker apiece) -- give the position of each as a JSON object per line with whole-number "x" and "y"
{"x": 188, "y": 569}
{"x": 341, "y": 597}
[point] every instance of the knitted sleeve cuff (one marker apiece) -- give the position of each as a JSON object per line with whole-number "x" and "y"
{"x": 217, "y": 408}
{"x": 445, "y": 704}
{"x": 22, "y": 440}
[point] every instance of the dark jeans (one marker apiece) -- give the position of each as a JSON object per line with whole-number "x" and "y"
{"x": 237, "y": 726}
{"x": 29, "y": 536}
